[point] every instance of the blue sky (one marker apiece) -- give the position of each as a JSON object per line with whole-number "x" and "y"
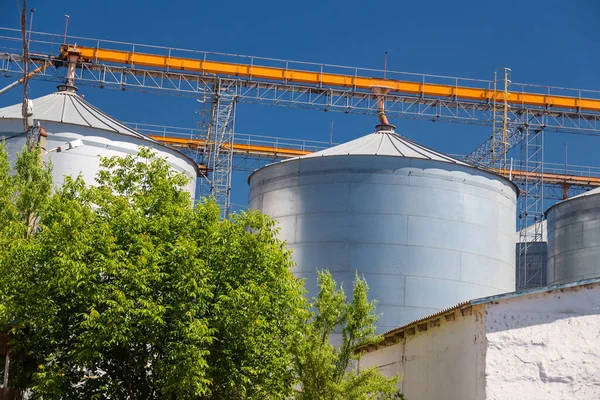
{"x": 544, "y": 42}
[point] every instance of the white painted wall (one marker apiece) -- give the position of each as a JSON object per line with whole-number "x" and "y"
{"x": 544, "y": 346}
{"x": 444, "y": 362}
{"x": 541, "y": 346}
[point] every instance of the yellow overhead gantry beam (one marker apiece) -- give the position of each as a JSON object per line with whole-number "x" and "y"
{"x": 326, "y": 79}
{"x": 238, "y": 148}
{"x": 245, "y": 149}
{"x": 552, "y": 178}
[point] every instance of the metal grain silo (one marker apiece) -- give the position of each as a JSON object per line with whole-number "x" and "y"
{"x": 425, "y": 230}
{"x": 66, "y": 117}
{"x": 574, "y": 238}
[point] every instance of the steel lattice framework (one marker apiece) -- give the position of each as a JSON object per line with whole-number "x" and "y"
{"x": 346, "y": 100}
{"x": 530, "y": 271}
{"x": 123, "y": 68}
{"x": 219, "y": 145}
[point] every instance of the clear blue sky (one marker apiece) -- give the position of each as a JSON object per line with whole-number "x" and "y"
{"x": 544, "y": 42}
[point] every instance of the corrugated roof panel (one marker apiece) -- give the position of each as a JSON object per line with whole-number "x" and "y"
{"x": 588, "y": 193}
{"x": 489, "y": 299}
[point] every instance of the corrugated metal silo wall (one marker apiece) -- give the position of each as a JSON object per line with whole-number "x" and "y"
{"x": 574, "y": 240}
{"x": 536, "y": 273}
{"x": 425, "y": 234}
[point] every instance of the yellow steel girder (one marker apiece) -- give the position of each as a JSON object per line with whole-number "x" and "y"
{"x": 244, "y": 149}
{"x": 327, "y": 79}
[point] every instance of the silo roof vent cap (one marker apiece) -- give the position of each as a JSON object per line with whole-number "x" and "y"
{"x": 387, "y": 128}
{"x": 67, "y": 88}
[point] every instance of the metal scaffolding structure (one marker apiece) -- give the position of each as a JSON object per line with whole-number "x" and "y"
{"x": 345, "y": 100}
{"x": 123, "y": 72}
{"x": 219, "y": 145}
{"x": 493, "y": 154}
{"x": 530, "y": 264}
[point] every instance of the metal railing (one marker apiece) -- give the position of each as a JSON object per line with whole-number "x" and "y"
{"x": 240, "y": 138}
{"x": 275, "y": 143}
{"x": 585, "y": 171}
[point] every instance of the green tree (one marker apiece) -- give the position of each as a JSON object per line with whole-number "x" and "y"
{"x": 126, "y": 290}
{"x": 328, "y": 372}
{"x": 254, "y": 310}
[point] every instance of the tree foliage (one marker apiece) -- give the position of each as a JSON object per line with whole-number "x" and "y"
{"x": 328, "y": 371}
{"x": 126, "y": 290}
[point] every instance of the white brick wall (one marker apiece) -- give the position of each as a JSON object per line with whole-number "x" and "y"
{"x": 544, "y": 346}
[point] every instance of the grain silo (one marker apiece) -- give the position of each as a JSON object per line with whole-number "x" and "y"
{"x": 426, "y": 230}
{"x": 574, "y": 238}
{"x": 67, "y": 118}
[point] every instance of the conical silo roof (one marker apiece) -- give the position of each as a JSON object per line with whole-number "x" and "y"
{"x": 585, "y": 194}
{"x": 588, "y": 193}
{"x": 67, "y": 107}
{"x": 385, "y": 142}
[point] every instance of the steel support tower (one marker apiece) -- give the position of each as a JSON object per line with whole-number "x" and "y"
{"x": 493, "y": 154}
{"x": 219, "y": 144}
{"x": 530, "y": 261}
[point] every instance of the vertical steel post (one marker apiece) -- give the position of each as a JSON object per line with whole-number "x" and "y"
{"x": 66, "y": 28}
{"x": 385, "y": 65}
